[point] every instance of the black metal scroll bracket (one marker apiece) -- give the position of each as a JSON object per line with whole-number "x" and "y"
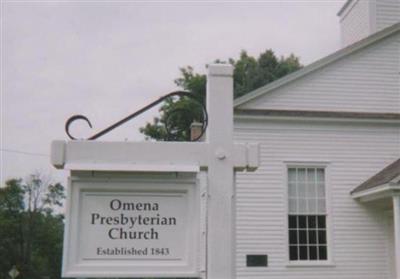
{"x": 140, "y": 111}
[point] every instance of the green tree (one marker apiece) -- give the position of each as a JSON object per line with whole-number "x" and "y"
{"x": 31, "y": 231}
{"x": 250, "y": 73}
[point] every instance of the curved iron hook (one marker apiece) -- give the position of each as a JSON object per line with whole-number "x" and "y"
{"x": 129, "y": 117}
{"x": 72, "y": 119}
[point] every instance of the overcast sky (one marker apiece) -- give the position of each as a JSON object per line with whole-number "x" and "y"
{"x": 106, "y": 60}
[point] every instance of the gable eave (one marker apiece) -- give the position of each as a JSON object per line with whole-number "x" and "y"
{"x": 387, "y": 176}
{"x": 376, "y": 193}
{"x": 317, "y": 65}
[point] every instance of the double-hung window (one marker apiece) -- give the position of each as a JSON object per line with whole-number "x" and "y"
{"x": 307, "y": 214}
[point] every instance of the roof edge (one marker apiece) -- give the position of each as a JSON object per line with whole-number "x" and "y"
{"x": 317, "y": 64}
{"x": 319, "y": 114}
{"x": 376, "y": 192}
{"x": 344, "y": 7}
{"x": 386, "y": 176}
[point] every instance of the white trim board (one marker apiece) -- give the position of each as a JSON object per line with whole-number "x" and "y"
{"x": 378, "y": 192}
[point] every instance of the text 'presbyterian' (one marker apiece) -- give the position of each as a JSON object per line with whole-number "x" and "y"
{"x": 131, "y": 222}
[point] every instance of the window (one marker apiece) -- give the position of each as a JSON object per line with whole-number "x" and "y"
{"x": 307, "y": 214}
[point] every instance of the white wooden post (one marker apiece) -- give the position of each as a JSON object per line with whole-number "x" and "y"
{"x": 396, "y": 216}
{"x": 220, "y": 238}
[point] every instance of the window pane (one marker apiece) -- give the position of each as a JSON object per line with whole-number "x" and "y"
{"x": 302, "y": 236}
{"x": 293, "y": 253}
{"x": 320, "y": 175}
{"x": 311, "y": 190}
{"x": 321, "y": 206}
{"x": 292, "y": 190}
{"x": 302, "y": 206}
{"x": 321, "y": 190}
{"x": 301, "y": 175}
{"x": 292, "y": 222}
{"x": 303, "y": 253}
{"x": 312, "y": 221}
{"x": 301, "y": 190}
{"x": 311, "y": 176}
{"x": 312, "y": 237}
{"x": 312, "y": 206}
{"x": 292, "y": 175}
{"x": 293, "y": 237}
{"x": 302, "y": 222}
{"x": 293, "y": 206}
{"x": 322, "y": 253}
{"x": 321, "y": 236}
{"x": 313, "y": 253}
{"x": 321, "y": 222}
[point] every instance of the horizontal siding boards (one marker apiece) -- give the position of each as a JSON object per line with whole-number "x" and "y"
{"x": 354, "y": 153}
{"x": 387, "y": 13}
{"x": 365, "y": 81}
{"x": 355, "y": 23}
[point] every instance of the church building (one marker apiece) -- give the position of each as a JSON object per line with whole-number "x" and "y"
{"x": 325, "y": 199}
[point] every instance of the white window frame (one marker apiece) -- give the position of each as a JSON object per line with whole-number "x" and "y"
{"x": 329, "y": 262}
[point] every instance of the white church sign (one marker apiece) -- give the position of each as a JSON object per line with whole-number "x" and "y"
{"x": 146, "y": 209}
{"x": 116, "y": 225}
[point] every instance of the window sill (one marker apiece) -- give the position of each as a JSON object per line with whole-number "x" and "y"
{"x": 311, "y": 264}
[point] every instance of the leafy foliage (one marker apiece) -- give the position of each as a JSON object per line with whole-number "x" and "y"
{"x": 249, "y": 73}
{"x": 31, "y": 231}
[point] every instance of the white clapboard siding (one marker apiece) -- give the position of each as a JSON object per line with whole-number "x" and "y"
{"x": 367, "y": 80}
{"x": 387, "y": 13}
{"x": 354, "y": 152}
{"x": 355, "y": 22}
